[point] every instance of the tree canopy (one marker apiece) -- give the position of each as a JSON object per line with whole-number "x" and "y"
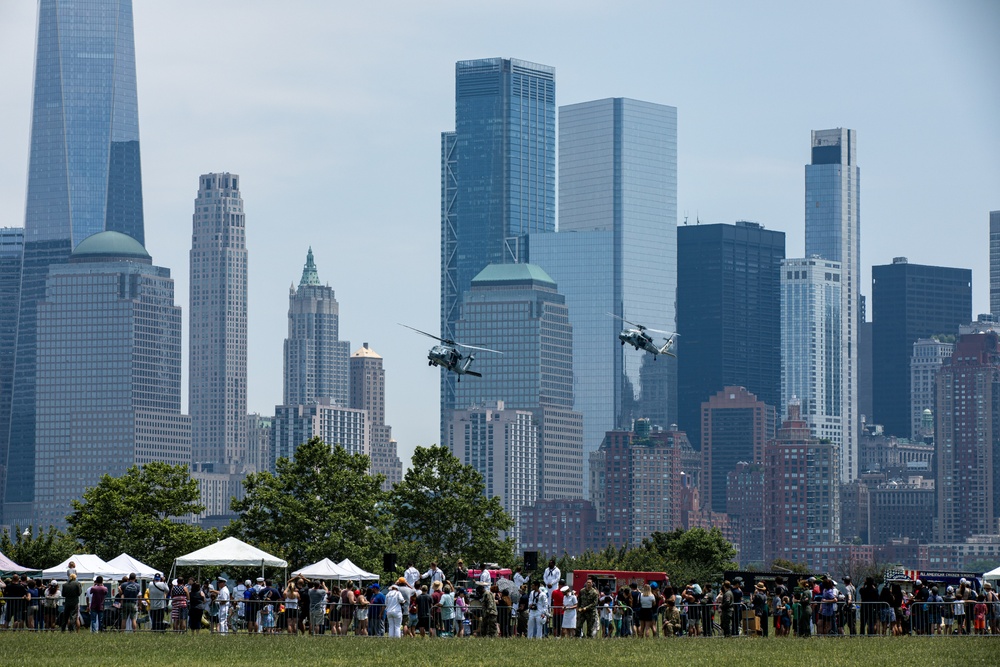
{"x": 320, "y": 503}
{"x": 440, "y": 512}
{"x": 39, "y": 548}
{"x": 140, "y": 514}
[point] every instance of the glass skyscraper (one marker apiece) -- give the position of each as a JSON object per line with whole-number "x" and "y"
{"x": 11, "y": 254}
{"x": 833, "y": 232}
{"x": 995, "y": 262}
{"x": 83, "y": 177}
{"x": 109, "y": 372}
{"x": 616, "y": 252}
{"x": 498, "y": 173}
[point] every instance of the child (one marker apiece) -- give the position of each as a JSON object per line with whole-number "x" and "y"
{"x": 213, "y": 611}
{"x": 980, "y": 617}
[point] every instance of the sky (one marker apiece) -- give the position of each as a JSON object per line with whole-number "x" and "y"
{"x": 331, "y": 113}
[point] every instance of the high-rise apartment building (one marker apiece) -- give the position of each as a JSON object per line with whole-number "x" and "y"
{"x": 11, "y": 254}
{"x": 745, "y": 507}
{"x": 833, "y": 232}
{"x": 498, "y": 176}
{"x": 616, "y": 252}
{"x": 217, "y": 389}
{"x": 812, "y": 344}
{"x": 801, "y": 491}
{"x": 84, "y": 177}
{"x": 517, "y": 310}
{"x": 967, "y": 441}
{"x": 909, "y": 302}
{"x": 294, "y": 425}
{"x": 109, "y": 372}
{"x": 929, "y": 355}
{"x": 259, "y": 457}
{"x": 995, "y": 262}
{"x": 316, "y": 360}
{"x": 728, "y": 314}
{"x": 502, "y": 444}
{"x": 735, "y": 426}
{"x": 368, "y": 394}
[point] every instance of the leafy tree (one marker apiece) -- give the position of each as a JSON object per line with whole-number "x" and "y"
{"x": 791, "y": 566}
{"x": 139, "y": 514}
{"x": 697, "y": 554}
{"x": 321, "y": 503}
{"x": 441, "y": 511}
{"x": 39, "y": 548}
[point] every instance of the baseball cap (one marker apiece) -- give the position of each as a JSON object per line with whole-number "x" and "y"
{"x": 246, "y": 583}
{"x": 401, "y": 581}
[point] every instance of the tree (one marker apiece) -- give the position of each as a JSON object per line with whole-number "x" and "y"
{"x": 697, "y": 554}
{"x": 790, "y": 566}
{"x": 139, "y": 513}
{"x": 39, "y": 548}
{"x": 320, "y": 503}
{"x": 441, "y": 511}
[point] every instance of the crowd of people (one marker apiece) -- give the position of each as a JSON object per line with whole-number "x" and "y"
{"x": 429, "y": 604}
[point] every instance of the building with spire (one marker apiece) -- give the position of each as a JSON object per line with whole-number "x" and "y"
{"x": 217, "y": 390}
{"x": 84, "y": 177}
{"x": 316, "y": 360}
{"x": 368, "y": 394}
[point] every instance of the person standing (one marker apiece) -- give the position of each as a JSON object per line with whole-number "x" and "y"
{"x": 519, "y": 579}
{"x": 489, "y": 625}
{"x": 435, "y": 574}
{"x": 557, "y": 598}
{"x": 569, "y": 612}
{"x": 551, "y": 576}
{"x": 869, "y": 607}
{"x": 97, "y": 593}
{"x": 223, "y": 599}
{"x": 71, "y": 590}
{"x": 130, "y": 598}
{"x": 538, "y": 607}
{"x": 461, "y": 572}
{"x": 291, "y": 608}
{"x": 412, "y": 576}
{"x": 587, "y": 607}
{"x": 394, "y": 611}
{"x": 760, "y": 606}
{"x": 317, "y": 607}
{"x": 726, "y": 607}
{"x": 196, "y": 607}
{"x": 158, "y": 591}
{"x": 51, "y": 594}
{"x": 425, "y": 606}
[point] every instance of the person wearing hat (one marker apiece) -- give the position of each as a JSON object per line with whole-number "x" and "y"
{"x": 51, "y": 608}
{"x": 157, "y": 592}
{"x": 223, "y": 598}
{"x": 394, "y": 603}
{"x": 489, "y": 626}
{"x": 587, "y": 608}
{"x": 569, "y": 604}
{"x": 760, "y": 606}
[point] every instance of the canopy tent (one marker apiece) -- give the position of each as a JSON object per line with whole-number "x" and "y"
{"x": 7, "y": 565}
{"x": 232, "y": 552}
{"x": 355, "y": 572}
{"x": 992, "y": 575}
{"x": 128, "y": 565}
{"x": 324, "y": 569}
{"x": 88, "y": 568}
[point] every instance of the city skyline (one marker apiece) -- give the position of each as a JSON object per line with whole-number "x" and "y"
{"x": 314, "y": 184}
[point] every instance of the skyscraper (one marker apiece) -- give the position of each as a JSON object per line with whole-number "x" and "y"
{"x": 517, "y": 309}
{"x": 833, "y": 232}
{"x": 909, "y": 302}
{"x": 217, "y": 393}
{"x": 995, "y": 262}
{"x": 83, "y": 177}
{"x": 109, "y": 372}
{"x": 812, "y": 349}
{"x": 368, "y": 394}
{"x": 616, "y": 252}
{"x": 11, "y": 254}
{"x": 735, "y": 426}
{"x": 728, "y": 315}
{"x": 316, "y": 360}
{"x": 498, "y": 174}
{"x": 967, "y": 441}
{"x": 929, "y": 355}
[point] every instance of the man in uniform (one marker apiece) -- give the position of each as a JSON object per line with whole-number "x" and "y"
{"x": 538, "y": 608}
{"x": 588, "y": 609}
{"x": 489, "y": 625}
{"x": 726, "y": 607}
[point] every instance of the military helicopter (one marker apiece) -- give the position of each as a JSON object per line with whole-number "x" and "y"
{"x": 447, "y": 355}
{"x": 637, "y": 337}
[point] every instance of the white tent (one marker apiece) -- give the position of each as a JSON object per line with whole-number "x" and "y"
{"x": 232, "y": 552}
{"x": 128, "y": 565}
{"x": 324, "y": 569}
{"x": 88, "y": 567}
{"x": 355, "y": 572}
{"x": 7, "y": 565}
{"x": 992, "y": 575}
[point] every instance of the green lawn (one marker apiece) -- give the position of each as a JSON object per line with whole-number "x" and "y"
{"x": 85, "y": 650}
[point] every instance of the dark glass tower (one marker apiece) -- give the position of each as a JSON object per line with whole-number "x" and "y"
{"x": 728, "y": 315}
{"x": 910, "y": 301}
{"x": 83, "y": 178}
{"x": 11, "y": 253}
{"x": 498, "y": 176}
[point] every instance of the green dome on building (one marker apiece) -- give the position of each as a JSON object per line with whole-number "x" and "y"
{"x": 105, "y": 246}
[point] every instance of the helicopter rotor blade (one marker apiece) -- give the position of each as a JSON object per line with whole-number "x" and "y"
{"x": 619, "y": 317}
{"x": 443, "y": 340}
{"x": 473, "y": 347}
{"x": 668, "y": 333}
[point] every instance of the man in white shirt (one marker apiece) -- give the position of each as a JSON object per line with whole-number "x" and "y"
{"x": 519, "y": 579}
{"x": 484, "y": 577}
{"x": 538, "y": 609}
{"x": 412, "y": 576}
{"x": 434, "y": 574}
{"x": 223, "y": 600}
{"x": 394, "y": 602}
{"x": 551, "y": 576}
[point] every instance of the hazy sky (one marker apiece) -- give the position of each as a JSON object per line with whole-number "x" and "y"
{"x": 331, "y": 114}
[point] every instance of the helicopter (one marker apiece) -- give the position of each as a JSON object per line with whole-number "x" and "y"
{"x": 449, "y": 357}
{"x": 637, "y": 337}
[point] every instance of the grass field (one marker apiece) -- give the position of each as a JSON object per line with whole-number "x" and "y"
{"x": 86, "y": 650}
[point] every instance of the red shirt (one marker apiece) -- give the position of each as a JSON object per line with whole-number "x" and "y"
{"x": 557, "y": 601}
